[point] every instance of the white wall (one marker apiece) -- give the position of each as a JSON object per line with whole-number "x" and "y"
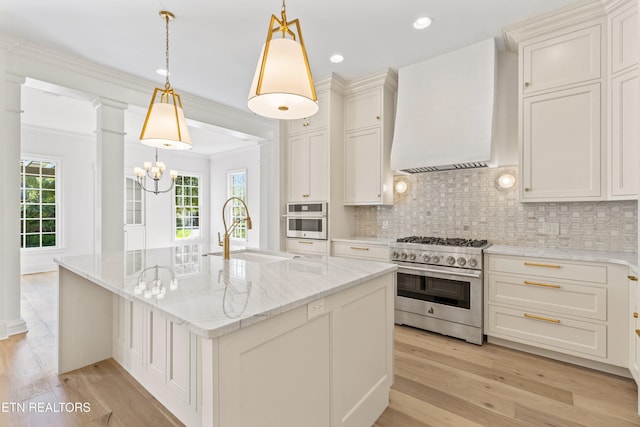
{"x": 248, "y": 159}
{"x": 159, "y": 208}
{"x": 77, "y": 155}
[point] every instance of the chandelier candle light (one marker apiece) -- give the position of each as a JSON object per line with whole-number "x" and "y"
{"x": 282, "y": 86}
{"x": 155, "y": 173}
{"x": 165, "y": 125}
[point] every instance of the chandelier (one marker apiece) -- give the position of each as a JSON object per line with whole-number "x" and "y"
{"x": 155, "y": 173}
{"x": 282, "y": 86}
{"x": 165, "y": 125}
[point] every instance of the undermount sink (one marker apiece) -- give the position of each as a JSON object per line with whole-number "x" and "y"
{"x": 254, "y": 256}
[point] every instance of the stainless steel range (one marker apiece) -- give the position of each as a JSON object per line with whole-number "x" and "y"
{"x": 439, "y": 285}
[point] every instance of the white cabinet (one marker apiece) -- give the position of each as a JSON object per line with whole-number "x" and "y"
{"x": 578, "y": 96}
{"x": 363, "y": 174}
{"x": 319, "y": 120}
{"x": 307, "y": 246}
{"x": 361, "y": 250}
{"x": 563, "y": 59}
{"x": 564, "y": 307}
{"x": 561, "y": 145}
{"x": 307, "y": 167}
{"x": 560, "y": 128}
{"x": 634, "y": 329}
{"x": 623, "y": 36}
{"x": 623, "y": 103}
{"x": 623, "y": 153}
{"x": 369, "y": 118}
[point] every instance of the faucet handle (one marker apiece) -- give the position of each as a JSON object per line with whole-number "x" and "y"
{"x": 220, "y": 243}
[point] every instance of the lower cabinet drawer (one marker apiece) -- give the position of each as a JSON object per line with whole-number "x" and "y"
{"x": 317, "y": 247}
{"x": 542, "y": 330}
{"x": 379, "y": 253}
{"x": 584, "y": 272}
{"x": 549, "y": 295}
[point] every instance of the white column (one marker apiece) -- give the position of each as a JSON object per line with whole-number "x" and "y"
{"x": 109, "y": 175}
{"x": 10, "y": 321}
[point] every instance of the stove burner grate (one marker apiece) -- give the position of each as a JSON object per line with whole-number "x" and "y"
{"x": 443, "y": 241}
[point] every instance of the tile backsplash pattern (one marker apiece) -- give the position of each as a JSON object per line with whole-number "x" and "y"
{"x": 469, "y": 204}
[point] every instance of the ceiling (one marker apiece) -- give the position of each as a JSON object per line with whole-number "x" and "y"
{"x": 214, "y": 46}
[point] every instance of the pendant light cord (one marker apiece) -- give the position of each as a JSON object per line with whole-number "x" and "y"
{"x": 167, "y": 85}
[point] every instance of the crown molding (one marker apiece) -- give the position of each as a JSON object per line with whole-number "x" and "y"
{"x": 576, "y": 14}
{"x": 387, "y": 78}
{"x": 31, "y": 60}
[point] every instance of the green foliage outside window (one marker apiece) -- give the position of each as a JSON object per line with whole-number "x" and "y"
{"x": 38, "y": 219}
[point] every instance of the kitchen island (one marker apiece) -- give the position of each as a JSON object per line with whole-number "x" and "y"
{"x": 257, "y": 340}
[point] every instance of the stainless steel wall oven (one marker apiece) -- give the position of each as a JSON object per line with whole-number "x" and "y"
{"x": 307, "y": 220}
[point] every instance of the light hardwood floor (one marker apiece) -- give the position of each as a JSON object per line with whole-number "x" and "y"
{"x": 439, "y": 381}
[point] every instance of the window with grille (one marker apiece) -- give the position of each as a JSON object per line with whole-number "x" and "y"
{"x": 237, "y": 187}
{"x": 38, "y": 204}
{"x": 133, "y": 202}
{"x": 187, "y": 203}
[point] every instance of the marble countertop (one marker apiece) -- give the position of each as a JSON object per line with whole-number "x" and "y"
{"x": 212, "y": 296}
{"x": 629, "y": 259}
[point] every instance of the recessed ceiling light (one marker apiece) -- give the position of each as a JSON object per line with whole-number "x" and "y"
{"x": 336, "y": 58}
{"x": 422, "y": 23}
{"x": 162, "y": 72}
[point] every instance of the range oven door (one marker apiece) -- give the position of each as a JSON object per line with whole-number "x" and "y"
{"x": 452, "y": 296}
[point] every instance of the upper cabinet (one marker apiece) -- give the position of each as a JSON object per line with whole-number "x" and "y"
{"x": 307, "y": 167}
{"x": 578, "y": 101}
{"x": 561, "y": 59}
{"x": 369, "y": 118}
{"x": 623, "y": 102}
{"x": 319, "y": 120}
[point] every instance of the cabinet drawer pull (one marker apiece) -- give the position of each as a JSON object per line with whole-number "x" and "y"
{"x": 304, "y": 242}
{"x": 535, "y": 264}
{"x": 633, "y": 278}
{"x": 377, "y": 117}
{"x": 544, "y": 319}
{"x": 358, "y": 248}
{"x": 635, "y": 314}
{"x": 527, "y": 84}
{"x": 638, "y": 332}
{"x": 546, "y": 285}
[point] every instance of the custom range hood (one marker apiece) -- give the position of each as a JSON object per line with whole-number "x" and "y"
{"x": 445, "y": 111}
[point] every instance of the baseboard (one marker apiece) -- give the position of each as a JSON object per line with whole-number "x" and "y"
{"x": 38, "y": 268}
{"x": 592, "y": 364}
{"x": 16, "y": 326}
{"x": 3, "y": 330}
{"x": 12, "y": 327}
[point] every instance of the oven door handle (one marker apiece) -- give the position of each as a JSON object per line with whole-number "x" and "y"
{"x": 428, "y": 270}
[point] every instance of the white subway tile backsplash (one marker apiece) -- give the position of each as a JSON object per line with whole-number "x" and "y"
{"x": 469, "y": 204}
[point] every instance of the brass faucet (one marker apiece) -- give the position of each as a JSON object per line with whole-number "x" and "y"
{"x": 225, "y": 243}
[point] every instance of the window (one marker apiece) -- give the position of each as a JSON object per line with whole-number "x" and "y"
{"x": 38, "y": 204}
{"x": 133, "y": 203}
{"x": 237, "y": 187}
{"x": 187, "y": 207}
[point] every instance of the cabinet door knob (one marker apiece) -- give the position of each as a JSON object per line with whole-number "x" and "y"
{"x": 526, "y": 84}
{"x": 527, "y": 189}
{"x": 635, "y": 314}
{"x": 377, "y": 117}
{"x": 638, "y": 332}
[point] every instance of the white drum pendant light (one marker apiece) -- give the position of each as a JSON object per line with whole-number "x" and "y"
{"x": 282, "y": 87}
{"x": 165, "y": 126}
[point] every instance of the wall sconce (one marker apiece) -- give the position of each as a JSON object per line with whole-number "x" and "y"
{"x": 506, "y": 180}
{"x": 401, "y": 187}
